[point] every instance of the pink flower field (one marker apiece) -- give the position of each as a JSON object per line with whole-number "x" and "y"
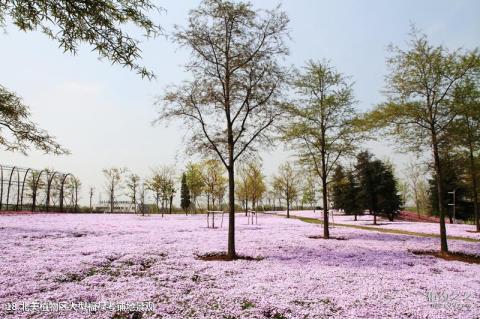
{"x": 461, "y": 230}
{"x": 119, "y": 262}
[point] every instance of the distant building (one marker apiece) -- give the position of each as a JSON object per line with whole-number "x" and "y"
{"x": 120, "y": 206}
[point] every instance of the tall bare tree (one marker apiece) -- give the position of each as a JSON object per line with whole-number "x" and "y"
{"x": 133, "y": 184}
{"x": 161, "y": 183}
{"x": 114, "y": 178}
{"x": 74, "y": 185}
{"x": 91, "y": 192}
{"x": 231, "y": 101}
{"x": 286, "y": 183}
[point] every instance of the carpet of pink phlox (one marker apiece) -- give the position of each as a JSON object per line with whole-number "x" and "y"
{"x": 126, "y": 258}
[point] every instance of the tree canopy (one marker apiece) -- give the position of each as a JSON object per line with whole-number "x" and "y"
{"x": 420, "y": 109}
{"x": 102, "y": 24}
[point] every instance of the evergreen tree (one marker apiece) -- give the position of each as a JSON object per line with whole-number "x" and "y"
{"x": 185, "y": 194}
{"x": 377, "y": 191}
{"x": 351, "y": 204}
{"x": 389, "y": 200}
{"x": 338, "y": 187}
{"x": 367, "y": 189}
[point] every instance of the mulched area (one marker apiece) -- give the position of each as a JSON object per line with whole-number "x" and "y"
{"x": 331, "y": 237}
{"x": 222, "y": 256}
{"x": 451, "y": 256}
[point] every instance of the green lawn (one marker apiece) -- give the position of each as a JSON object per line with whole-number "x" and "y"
{"x": 385, "y": 230}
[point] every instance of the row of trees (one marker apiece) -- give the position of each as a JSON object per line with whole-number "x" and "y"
{"x": 235, "y": 96}
{"x": 206, "y": 178}
{"x": 119, "y": 182}
{"x": 236, "y": 92}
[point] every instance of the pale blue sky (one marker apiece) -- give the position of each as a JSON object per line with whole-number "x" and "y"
{"x": 103, "y": 113}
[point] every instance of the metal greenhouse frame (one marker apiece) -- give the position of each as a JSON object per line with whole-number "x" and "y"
{"x": 21, "y": 188}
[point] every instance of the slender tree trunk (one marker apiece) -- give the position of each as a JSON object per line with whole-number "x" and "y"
{"x": 134, "y": 201}
{"x": 34, "y": 200}
{"x": 76, "y": 199}
{"x": 231, "y": 214}
{"x": 90, "y": 204}
{"x": 439, "y": 175}
{"x": 288, "y": 208}
{"x": 473, "y": 174}
{"x": 111, "y": 201}
{"x": 355, "y": 217}
{"x": 326, "y": 233}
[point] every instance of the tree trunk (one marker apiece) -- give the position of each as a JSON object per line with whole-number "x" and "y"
{"x": 439, "y": 175}
{"x": 416, "y": 204}
{"x": 473, "y": 174}
{"x": 76, "y": 199}
{"x": 111, "y": 201}
{"x": 134, "y": 200}
{"x": 34, "y": 200}
{"x": 355, "y": 217}
{"x": 288, "y": 208}
{"x": 231, "y": 214}
{"x": 326, "y": 233}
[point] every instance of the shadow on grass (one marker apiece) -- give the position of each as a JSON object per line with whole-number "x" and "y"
{"x": 450, "y": 256}
{"x": 331, "y": 237}
{"x": 222, "y": 256}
